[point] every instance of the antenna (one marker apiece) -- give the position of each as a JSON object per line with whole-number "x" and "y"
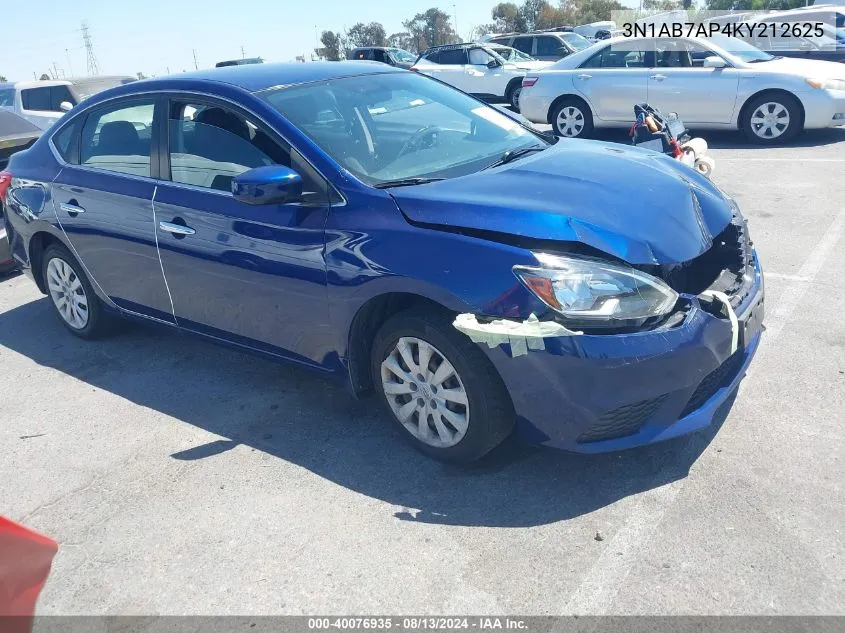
{"x": 93, "y": 67}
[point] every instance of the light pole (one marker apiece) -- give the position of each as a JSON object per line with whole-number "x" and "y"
{"x": 455, "y": 17}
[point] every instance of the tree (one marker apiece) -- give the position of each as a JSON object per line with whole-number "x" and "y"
{"x": 751, "y": 5}
{"x": 3, "y": 78}
{"x": 431, "y": 28}
{"x": 44, "y": 77}
{"x": 401, "y": 40}
{"x": 507, "y": 18}
{"x": 593, "y": 11}
{"x": 141, "y": 75}
{"x": 534, "y": 13}
{"x": 662, "y": 5}
{"x": 372, "y": 34}
{"x": 333, "y": 46}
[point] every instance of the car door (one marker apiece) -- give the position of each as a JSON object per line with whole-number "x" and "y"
{"x": 549, "y": 48}
{"x": 253, "y": 275}
{"x": 680, "y": 83}
{"x": 524, "y": 43}
{"x": 103, "y": 201}
{"x": 452, "y": 67}
{"x": 614, "y": 79}
{"x": 483, "y": 80}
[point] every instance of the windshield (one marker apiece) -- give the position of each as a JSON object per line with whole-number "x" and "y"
{"x": 740, "y": 49}
{"x": 576, "y": 41}
{"x": 394, "y": 126}
{"x": 512, "y": 55}
{"x": 7, "y": 97}
{"x": 402, "y": 56}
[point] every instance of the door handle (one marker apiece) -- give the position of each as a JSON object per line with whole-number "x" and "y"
{"x": 585, "y": 77}
{"x": 178, "y": 230}
{"x": 71, "y": 209}
{"x": 658, "y": 77}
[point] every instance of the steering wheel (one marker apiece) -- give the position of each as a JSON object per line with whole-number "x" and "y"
{"x": 415, "y": 142}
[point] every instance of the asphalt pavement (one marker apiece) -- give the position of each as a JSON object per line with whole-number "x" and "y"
{"x": 182, "y": 478}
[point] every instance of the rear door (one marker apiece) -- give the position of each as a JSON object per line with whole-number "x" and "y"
{"x": 614, "y": 79}
{"x": 452, "y": 67}
{"x": 103, "y": 201}
{"x": 253, "y": 275}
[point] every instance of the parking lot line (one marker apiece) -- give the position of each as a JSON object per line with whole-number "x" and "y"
{"x": 597, "y": 590}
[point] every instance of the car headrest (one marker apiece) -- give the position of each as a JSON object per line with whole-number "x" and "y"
{"x": 118, "y": 137}
{"x": 220, "y": 118}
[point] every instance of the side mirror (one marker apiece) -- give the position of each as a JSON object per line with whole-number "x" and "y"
{"x": 273, "y": 184}
{"x": 714, "y": 61}
{"x": 65, "y": 106}
{"x": 493, "y": 63}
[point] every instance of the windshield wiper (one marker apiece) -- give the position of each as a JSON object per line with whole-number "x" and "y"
{"x": 513, "y": 154}
{"x": 405, "y": 182}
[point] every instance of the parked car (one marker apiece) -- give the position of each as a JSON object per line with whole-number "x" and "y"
{"x": 384, "y": 54}
{"x": 402, "y": 236}
{"x": 477, "y": 69}
{"x": 45, "y": 102}
{"x": 16, "y": 134}
{"x": 239, "y": 62}
{"x": 719, "y": 83}
{"x": 545, "y": 45}
{"x": 519, "y": 58}
{"x": 828, "y": 44}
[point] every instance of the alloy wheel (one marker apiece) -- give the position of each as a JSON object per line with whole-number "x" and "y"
{"x": 425, "y": 392}
{"x": 770, "y": 120}
{"x": 515, "y": 97}
{"x": 570, "y": 122}
{"x": 67, "y": 293}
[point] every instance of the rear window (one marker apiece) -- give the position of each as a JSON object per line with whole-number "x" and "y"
{"x": 66, "y": 142}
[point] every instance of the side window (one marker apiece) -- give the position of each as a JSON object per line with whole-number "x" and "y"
{"x": 210, "y": 145}
{"x": 66, "y": 142}
{"x": 523, "y": 44}
{"x": 548, "y": 46}
{"x": 36, "y": 99}
{"x": 610, "y": 58}
{"x": 361, "y": 53}
{"x": 58, "y": 94}
{"x": 453, "y": 56}
{"x": 118, "y": 138}
{"x": 672, "y": 54}
{"x": 479, "y": 57}
{"x": 378, "y": 55}
{"x": 433, "y": 57}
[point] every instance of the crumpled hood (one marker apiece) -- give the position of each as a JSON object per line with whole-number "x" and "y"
{"x": 640, "y": 206}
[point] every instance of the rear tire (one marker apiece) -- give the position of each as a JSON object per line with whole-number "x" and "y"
{"x": 571, "y": 118}
{"x": 71, "y": 295}
{"x": 513, "y": 95}
{"x": 772, "y": 119}
{"x": 461, "y": 427}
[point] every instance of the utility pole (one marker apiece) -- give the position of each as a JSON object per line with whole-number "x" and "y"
{"x": 455, "y": 17}
{"x": 196, "y": 66}
{"x": 243, "y": 54}
{"x": 69, "y": 63}
{"x": 93, "y": 67}
{"x": 55, "y": 71}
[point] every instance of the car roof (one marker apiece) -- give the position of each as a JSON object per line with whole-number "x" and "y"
{"x": 255, "y": 77}
{"x": 46, "y": 83}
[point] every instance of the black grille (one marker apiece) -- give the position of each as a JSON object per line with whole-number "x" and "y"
{"x": 622, "y": 421}
{"x": 714, "y": 381}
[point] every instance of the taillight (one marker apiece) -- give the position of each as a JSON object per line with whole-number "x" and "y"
{"x": 529, "y": 81}
{"x": 5, "y": 181}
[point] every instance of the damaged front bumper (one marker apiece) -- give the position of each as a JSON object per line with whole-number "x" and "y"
{"x": 598, "y": 393}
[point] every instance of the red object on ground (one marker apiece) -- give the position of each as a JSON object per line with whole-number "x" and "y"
{"x": 25, "y": 560}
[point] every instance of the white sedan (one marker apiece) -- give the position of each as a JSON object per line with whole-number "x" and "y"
{"x": 713, "y": 83}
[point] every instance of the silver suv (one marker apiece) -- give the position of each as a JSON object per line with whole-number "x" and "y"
{"x": 545, "y": 46}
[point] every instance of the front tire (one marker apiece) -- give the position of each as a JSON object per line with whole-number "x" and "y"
{"x": 441, "y": 390}
{"x": 571, "y": 118}
{"x": 71, "y": 294}
{"x": 772, "y": 119}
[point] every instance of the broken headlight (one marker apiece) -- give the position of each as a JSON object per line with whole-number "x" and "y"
{"x": 595, "y": 293}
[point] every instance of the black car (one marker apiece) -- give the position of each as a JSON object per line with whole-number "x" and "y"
{"x": 385, "y": 54}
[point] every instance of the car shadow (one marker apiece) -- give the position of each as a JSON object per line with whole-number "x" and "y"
{"x": 732, "y": 139}
{"x": 297, "y": 416}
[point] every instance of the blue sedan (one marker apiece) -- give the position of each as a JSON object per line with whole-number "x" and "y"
{"x": 384, "y": 228}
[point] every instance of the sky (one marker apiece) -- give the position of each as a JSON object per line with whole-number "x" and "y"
{"x": 157, "y": 36}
